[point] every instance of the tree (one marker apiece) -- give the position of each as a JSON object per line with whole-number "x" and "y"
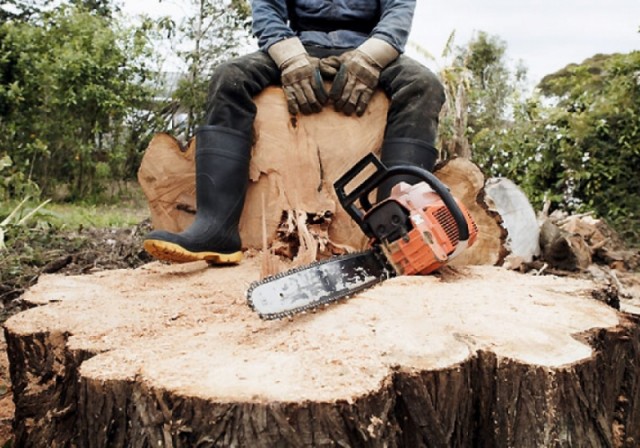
{"x": 597, "y": 116}
{"x": 215, "y": 31}
{"x": 76, "y": 79}
{"x": 104, "y": 8}
{"x": 576, "y": 143}
{"x": 482, "y": 91}
{"x": 21, "y": 10}
{"x": 455, "y": 111}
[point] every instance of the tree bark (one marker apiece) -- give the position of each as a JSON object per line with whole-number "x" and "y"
{"x": 171, "y": 356}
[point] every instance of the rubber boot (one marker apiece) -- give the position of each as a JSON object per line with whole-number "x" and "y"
{"x": 405, "y": 151}
{"x": 222, "y": 176}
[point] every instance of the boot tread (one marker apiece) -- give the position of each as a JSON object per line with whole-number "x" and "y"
{"x": 166, "y": 251}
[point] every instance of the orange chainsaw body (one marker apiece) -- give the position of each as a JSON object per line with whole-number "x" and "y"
{"x": 433, "y": 239}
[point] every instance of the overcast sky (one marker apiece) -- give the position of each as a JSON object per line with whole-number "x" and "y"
{"x": 545, "y": 34}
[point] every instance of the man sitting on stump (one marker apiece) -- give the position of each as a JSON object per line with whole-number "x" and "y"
{"x": 357, "y": 42}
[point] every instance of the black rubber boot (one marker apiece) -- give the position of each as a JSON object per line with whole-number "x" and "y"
{"x": 222, "y": 176}
{"x": 405, "y": 151}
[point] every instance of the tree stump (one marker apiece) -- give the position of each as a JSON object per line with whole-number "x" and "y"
{"x": 171, "y": 356}
{"x": 291, "y": 208}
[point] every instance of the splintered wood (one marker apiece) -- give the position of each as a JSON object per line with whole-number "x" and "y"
{"x": 172, "y": 356}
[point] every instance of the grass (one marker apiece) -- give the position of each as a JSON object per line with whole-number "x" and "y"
{"x": 92, "y": 215}
{"x": 115, "y": 212}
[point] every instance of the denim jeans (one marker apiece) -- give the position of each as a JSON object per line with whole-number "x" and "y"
{"x": 415, "y": 93}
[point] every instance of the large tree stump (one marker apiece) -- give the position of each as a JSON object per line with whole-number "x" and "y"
{"x": 291, "y": 207}
{"x": 171, "y": 356}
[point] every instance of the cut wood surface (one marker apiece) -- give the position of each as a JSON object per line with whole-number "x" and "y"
{"x": 172, "y": 356}
{"x": 168, "y": 179}
{"x": 563, "y": 249}
{"x": 291, "y": 199}
{"x": 466, "y": 182}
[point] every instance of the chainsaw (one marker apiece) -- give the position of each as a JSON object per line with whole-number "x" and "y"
{"x": 415, "y": 231}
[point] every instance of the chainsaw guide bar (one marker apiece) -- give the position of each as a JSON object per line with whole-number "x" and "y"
{"x": 317, "y": 284}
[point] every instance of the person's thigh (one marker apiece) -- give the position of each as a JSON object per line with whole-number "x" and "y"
{"x": 234, "y": 84}
{"x": 416, "y": 96}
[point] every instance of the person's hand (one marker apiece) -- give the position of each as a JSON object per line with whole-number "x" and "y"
{"x": 300, "y": 77}
{"x": 358, "y": 76}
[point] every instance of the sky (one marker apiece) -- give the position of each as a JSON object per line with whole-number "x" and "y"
{"x": 545, "y": 35}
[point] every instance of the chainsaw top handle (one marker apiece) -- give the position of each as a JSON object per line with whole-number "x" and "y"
{"x": 361, "y": 192}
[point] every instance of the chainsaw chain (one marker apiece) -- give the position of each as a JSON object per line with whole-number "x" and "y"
{"x": 388, "y": 273}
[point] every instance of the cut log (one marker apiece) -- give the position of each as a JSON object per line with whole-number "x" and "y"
{"x": 466, "y": 183}
{"x": 293, "y": 166}
{"x": 168, "y": 179}
{"x": 291, "y": 200}
{"x": 518, "y": 217}
{"x": 563, "y": 250}
{"x": 604, "y": 244}
{"x": 172, "y": 356}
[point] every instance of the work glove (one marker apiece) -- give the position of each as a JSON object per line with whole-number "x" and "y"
{"x": 359, "y": 73}
{"x": 300, "y": 76}
{"x": 329, "y": 67}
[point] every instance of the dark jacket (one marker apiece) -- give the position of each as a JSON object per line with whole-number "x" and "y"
{"x": 333, "y": 24}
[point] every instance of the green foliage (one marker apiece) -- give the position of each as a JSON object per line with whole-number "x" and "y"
{"x": 80, "y": 93}
{"x": 21, "y": 10}
{"x": 17, "y": 218}
{"x": 494, "y": 87}
{"x": 574, "y": 143}
{"x": 13, "y": 182}
{"x": 213, "y": 32}
{"x": 104, "y": 8}
{"x": 579, "y": 144}
{"x": 76, "y": 80}
{"x": 482, "y": 90}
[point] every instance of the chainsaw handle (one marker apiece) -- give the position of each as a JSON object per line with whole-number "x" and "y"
{"x": 362, "y": 191}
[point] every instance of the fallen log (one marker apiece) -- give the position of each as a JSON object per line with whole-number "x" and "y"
{"x": 467, "y": 183}
{"x": 519, "y": 219}
{"x": 562, "y": 249}
{"x": 172, "y": 356}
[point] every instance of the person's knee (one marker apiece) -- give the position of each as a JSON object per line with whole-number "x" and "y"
{"x": 415, "y": 81}
{"x": 226, "y": 77}
{"x": 430, "y": 86}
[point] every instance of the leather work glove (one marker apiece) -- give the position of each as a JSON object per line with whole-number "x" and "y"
{"x": 359, "y": 73}
{"x": 300, "y": 76}
{"x": 329, "y": 66}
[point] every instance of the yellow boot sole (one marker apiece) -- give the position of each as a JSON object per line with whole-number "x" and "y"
{"x": 163, "y": 250}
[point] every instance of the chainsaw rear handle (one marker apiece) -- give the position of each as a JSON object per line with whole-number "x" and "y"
{"x": 382, "y": 173}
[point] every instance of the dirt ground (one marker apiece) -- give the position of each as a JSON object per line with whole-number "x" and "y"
{"x": 81, "y": 251}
